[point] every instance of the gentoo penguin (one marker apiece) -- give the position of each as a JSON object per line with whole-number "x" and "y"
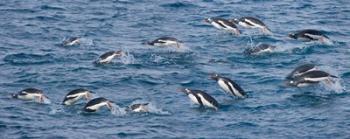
{"x": 262, "y": 48}
{"x": 302, "y": 69}
{"x": 229, "y": 86}
{"x": 74, "y": 95}
{"x": 71, "y": 41}
{"x": 108, "y": 56}
{"x": 309, "y": 35}
{"x": 223, "y": 24}
{"x": 165, "y": 41}
{"x": 311, "y": 77}
{"x": 201, "y": 98}
{"x": 96, "y": 103}
{"x": 31, "y": 94}
{"x": 140, "y": 107}
{"x": 252, "y": 22}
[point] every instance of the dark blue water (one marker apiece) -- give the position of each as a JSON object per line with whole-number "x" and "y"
{"x": 31, "y": 56}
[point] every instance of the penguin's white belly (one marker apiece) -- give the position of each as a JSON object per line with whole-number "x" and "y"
{"x": 229, "y": 28}
{"x": 28, "y": 97}
{"x": 316, "y": 79}
{"x": 141, "y": 109}
{"x": 108, "y": 59}
{"x": 97, "y": 106}
{"x": 227, "y": 89}
{"x": 73, "y": 42}
{"x": 216, "y": 25}
{"x": 73, "y": 100}
{"x": 265, "y": 50}
{"x": 193, "y": 98}
{"x": 243, "y": 24}
{"x": 303, "y": 84}
{"x": 206, "y": 102}
{"x": 224, "y": 87}
{"x": 170, "y": 42}
{"x": 255, "y": 25}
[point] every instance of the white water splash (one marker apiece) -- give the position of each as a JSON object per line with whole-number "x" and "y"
{"x": 127, "y": 58}
{"x": 328, "y": 42}
{"x": 181, "y": 48}
{"x": 333, "y": 85}
{"x": 251, "y": 41}
{"x": 54, "y": 109}
{"x": 82, "y": 41}
{"x": 43, "y": 101}
{"x": 152, "y": 108}
{"x": 157, "y": 58}
{"x": 86, "y": 42}
{"x": 118, "y": 111}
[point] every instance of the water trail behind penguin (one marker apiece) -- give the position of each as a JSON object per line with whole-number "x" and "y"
{"x": 118, "y": 111}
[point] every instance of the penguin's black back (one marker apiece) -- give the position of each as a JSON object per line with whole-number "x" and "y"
{"x": 315, "y": 74}
{"x": 207, "y": 97}
{"x": 226, "y": 22}
{"x": 235, "y": 85}
{"x": 301, "y": 69}
{"x": 107, "y": 54}
{"x": 255, "y": 20}
{"x": 95, "y": 101}
{"x": 31, "y": 90}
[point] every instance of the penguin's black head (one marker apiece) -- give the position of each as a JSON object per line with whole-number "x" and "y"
{"x": 184, "y": 90}
{"x": 214, "y": 76}
{"x": 207, "y": 20}
{"x": 149, "y": 43}
{"x": 135, "y": 106}
{"x": 292, "y": 35}
{"x": 292, "y": 82}
{"x": 119, "y": 53}
{"x": 234, "y": 20}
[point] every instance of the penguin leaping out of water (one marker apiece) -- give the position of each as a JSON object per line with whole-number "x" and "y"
{"x": 300, "y": 70}
{"x": 140, "y": 107}
{"x": 223, "y": 24}
{"x": 71, "y": 41}
{"x": 31, "y": 94}
{"x": 201, "y": 98}
{"x": 229, "y": 86}
{"x": 262, "y": 48}
{"x": 109, "y": 56}
{"x": 252, "y": 22}
{"x": 310, "y": 35}
{"x": 75, "y": 95}
{"x": 165, "y": 41}
{"x": 311, "y": 77}
{"x": 96, "y": 103}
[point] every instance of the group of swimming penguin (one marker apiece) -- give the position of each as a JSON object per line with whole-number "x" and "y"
{"x": 93, "y": 104}
{"x": 301, "y": 76}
